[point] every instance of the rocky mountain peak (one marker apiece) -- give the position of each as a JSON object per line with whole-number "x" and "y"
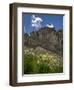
{"x": 46, "y": 38}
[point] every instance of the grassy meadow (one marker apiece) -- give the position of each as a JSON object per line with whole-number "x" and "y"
{"x": 41, "y": 61}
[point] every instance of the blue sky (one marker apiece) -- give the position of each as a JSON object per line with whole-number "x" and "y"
{"x": 56, "y": 20}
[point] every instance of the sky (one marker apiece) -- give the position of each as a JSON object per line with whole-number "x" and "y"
{"x": 31, "y": 22}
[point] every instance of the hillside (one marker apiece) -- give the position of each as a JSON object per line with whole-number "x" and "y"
{"x": 39, "y": 60}
{"x": 46, "y": 38}
{"x": 43, "y": 51}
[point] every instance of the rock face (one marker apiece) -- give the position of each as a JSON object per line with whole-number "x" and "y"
{"x": 46, "y": 38}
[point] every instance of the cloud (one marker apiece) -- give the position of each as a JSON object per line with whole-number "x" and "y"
{"x": 24, "y": 29}
{"x": 50, "y": 25}
{"x": 36, "y": 22}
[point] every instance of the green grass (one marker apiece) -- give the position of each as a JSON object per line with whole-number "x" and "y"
{"x": 36, "y": 62}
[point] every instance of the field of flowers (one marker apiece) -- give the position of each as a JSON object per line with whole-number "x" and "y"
{"x": 36, "y": 62}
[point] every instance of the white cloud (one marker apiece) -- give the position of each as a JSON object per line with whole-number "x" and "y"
{"x": 36, "y": 22}
{"x": 50, "y": 25}
{"x": 24, "y": 29}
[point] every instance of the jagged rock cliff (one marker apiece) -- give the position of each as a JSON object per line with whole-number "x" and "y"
{"x": 46, "y": 38}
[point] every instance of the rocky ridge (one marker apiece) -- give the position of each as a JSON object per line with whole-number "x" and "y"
{"x": 46, "y": 38}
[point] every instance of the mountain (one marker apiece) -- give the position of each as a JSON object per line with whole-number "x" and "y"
{"x": 46, "y": 38}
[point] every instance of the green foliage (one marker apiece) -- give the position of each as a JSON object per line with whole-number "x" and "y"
{"x": 30, "y": 64}
{"x": 41, "y": 62}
